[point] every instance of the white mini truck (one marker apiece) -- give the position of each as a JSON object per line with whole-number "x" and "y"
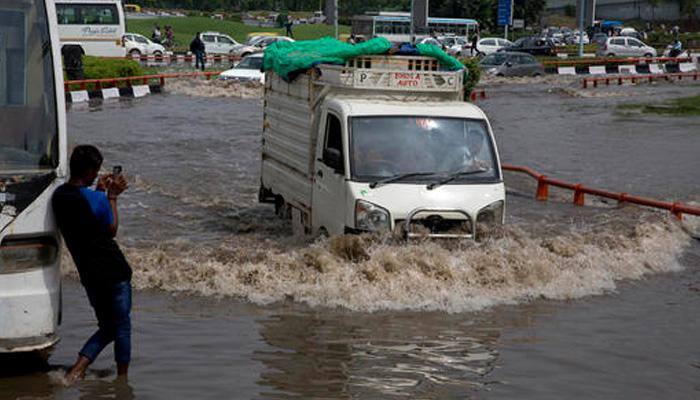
{"x": 381, "y": 144}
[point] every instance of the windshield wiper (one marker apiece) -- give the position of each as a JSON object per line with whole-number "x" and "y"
{"x": 398, "y": 178}
{"x": 454, "y": 176}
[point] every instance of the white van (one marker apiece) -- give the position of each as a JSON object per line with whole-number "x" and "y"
{"x": 32, "y": 164}
{"x": 382, "y": 144}
{"x": 97, "y": 26}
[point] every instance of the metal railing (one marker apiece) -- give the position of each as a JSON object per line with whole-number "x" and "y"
{"x": 580, "y": 191}
{"x": 99, "y": 84}
{"x": 608, "y": 61}
{"x": 649, "y": 78}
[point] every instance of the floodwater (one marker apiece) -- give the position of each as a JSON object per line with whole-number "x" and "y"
{"x": 594, "y": 302}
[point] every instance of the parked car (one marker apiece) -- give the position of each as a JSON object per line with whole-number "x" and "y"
{"x": 248, "y": 70}
{"x": 265, "y": 41}
{"x": 625, "y": 47}
{"x": 256, "y": 44}
{"x": 534, "y": 45}
{"x": 574, "y": 38}
{"x": 487, "y": 46}
{"x": 507, "y": 63}
{"x": 137, "y": 45}
{"x": 599, "y": 38}
{"x": 219, "y": 43}
{"x": 454, "y": 45}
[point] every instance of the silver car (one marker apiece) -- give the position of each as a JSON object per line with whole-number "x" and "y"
{"x": 511, "y": 63}
{"x": 625, "y": 47}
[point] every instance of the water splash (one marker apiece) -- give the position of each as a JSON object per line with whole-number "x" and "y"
{"x": 364, "y": 273}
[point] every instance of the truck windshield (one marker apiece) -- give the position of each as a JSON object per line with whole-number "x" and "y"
{"x": 29, "y": 140}
{"x": 385, "y": 147}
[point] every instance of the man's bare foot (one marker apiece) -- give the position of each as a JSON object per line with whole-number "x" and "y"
{"x": 77, "y": 371}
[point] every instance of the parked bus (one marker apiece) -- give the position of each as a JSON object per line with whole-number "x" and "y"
{"x": 32, "y": 164}
{"x": 97, "y": 26}
{"x": 396, "y": 27}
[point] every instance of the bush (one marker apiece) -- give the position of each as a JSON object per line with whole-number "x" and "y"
{"x": 100, "y": 68}
{"x": 474, "y": 74}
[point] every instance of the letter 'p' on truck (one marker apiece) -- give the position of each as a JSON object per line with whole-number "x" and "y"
{"x": 380, "y": 144}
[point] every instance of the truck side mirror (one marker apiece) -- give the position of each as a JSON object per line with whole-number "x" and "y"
{"x": 509, "y": 64}
{"x": 333, "y": 159}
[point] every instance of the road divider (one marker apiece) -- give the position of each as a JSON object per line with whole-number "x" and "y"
{"x": 640, "y": 78}
{"x": 131, "y": 86}
{"x": 580, "y": 192}
{"x": 170, "y": 59}
{"x": 602, "y": 66}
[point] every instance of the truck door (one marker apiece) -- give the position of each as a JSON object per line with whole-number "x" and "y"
{"x": 328, "y": 201}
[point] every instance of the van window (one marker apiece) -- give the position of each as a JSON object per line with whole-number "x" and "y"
{"x": 87, "y": 14}
{"x": 208, "y": 38}
{"x": 334, "y": 137}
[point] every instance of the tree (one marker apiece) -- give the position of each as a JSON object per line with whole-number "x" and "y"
{"x": 653, "y": 4}
{"x": 687, "y": 7}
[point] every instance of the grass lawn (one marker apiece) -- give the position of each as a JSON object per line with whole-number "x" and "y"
{"x": 686, "y": 106}
{"x": 186, "y": 27}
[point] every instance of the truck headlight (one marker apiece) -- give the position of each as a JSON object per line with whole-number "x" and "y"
{"x": 371, "y": 217}
{"x": 491, "y": 214}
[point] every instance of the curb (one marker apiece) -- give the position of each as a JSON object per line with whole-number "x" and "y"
{"x": 136, "y": 91}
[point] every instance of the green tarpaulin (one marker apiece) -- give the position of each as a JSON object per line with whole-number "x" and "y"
{"x": 286, "y": 58}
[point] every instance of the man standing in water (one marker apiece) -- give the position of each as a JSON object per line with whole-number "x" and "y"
{"x": 197, "y": 47}
{"x": 88, "y": 221}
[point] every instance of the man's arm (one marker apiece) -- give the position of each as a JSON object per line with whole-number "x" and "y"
{"x": 117, "y": 186}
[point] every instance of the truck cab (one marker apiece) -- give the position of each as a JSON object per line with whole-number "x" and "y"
{"x": 416, "y": 162}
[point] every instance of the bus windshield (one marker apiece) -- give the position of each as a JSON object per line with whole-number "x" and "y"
{"x": 29, "y": 140}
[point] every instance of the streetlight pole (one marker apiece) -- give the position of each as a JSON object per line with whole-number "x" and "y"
{"x": 582, "y": 5}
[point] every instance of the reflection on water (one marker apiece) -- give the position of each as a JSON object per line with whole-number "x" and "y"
{"x": 375, "y": 356}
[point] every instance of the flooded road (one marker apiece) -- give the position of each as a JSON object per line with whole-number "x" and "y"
{"x": 230, "y": 306}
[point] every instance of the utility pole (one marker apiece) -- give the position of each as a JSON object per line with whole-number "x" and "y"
{"x": 582, "y": 13}
{"x": 335, "y": 18}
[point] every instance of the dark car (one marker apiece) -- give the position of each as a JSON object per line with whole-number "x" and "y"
{"x": 511, "y": 63}
{"x": 533, "y": 45}
{"x": 599, "y": 38}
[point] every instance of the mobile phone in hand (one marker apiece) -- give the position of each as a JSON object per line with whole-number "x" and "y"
{"x": 117, "y": 170}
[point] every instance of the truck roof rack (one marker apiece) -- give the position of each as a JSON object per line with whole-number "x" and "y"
{"x": 398, "y": 73}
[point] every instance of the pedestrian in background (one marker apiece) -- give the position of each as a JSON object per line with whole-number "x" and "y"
{"x": 88, "y": 222}
{"x": 157, "y": 35}
{"x": 198, "y": 49}
{"x": 474, "y": 50}
{"x": 289, "y": 25}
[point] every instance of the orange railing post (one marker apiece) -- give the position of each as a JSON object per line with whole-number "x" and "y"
{"x": 579, "y": 196}
{"x": 542, "y": 188}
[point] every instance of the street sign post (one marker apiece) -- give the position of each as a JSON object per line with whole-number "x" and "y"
{"x": 505, "y": 14}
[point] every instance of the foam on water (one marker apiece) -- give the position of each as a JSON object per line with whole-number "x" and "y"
{"x": 367, "y": 274}
{"x": 214, "y": 88}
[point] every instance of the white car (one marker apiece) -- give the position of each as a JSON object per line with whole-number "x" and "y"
{"x": 218, "y": 43}
{"x": 575, "y": 38}
{"x": 491, "y": 45}
{"x": 248, "y": 70}
{"x": 257, "y": 44}
{"x": 625, "y": 47}
{"x": 137, "y": 45}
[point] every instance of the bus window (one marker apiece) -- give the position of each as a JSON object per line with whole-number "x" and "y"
{"x": 27, "y": 112}
{"x": 87, "y": 14}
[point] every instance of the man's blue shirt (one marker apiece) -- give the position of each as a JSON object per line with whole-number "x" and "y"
{"x": 99, "y": 204}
